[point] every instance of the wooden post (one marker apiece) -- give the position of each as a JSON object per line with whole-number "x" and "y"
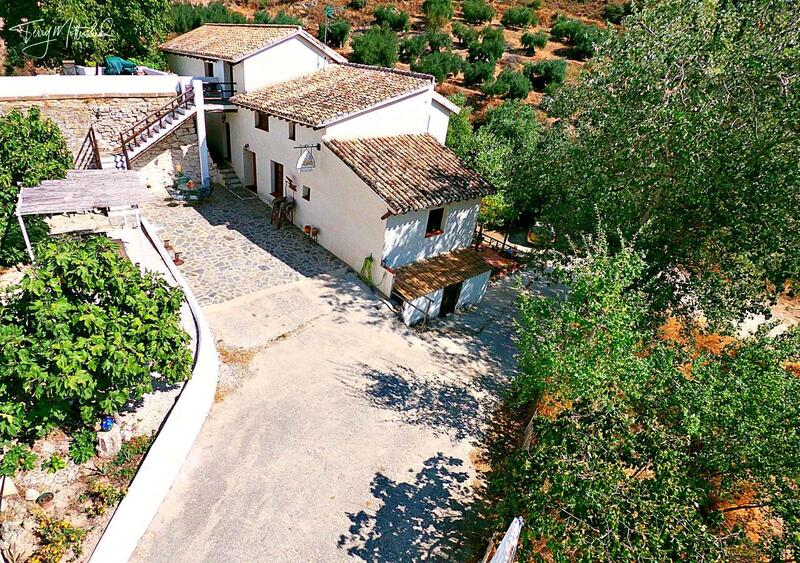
{"x": 24, "y": 231}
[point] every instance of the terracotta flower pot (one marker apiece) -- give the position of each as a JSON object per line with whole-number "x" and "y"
{"x": 307, "y": 229}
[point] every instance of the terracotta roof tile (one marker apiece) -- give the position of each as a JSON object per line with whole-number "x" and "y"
{"x": 426, "y": 276}
{"x": 228, "y": 42}
{"x": 410, "y": 172}
{"x": 338, "y": 90}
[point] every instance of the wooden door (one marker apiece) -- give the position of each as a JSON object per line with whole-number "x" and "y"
{"x": 227, "y": 141}
{"x": 277, "y": 179}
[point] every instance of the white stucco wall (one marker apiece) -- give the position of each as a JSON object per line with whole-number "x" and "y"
{"x": 185, "y": 66}
{"x": 438, "y": 121}
{"x": 405, "y": 234}
{"x": 282, "y": 61}
{"x": 472, "y": 289}
{"x": 345, "y": 210}
{"x": 415, "y": 314}
{"x": 405, "y": 116}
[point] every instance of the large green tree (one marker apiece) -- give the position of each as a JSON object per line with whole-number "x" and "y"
{"x": 32, "y": 149}
{"x": 685, "y": 133}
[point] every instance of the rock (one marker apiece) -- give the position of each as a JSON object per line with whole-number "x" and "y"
{"x": 31, "y": 494}
{"x": 17, "y": 543}
{"x": 9, "y": 488}
{"x": 109, "y": 443}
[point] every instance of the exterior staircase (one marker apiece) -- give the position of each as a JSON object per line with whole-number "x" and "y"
{"x": 232, "y": 182}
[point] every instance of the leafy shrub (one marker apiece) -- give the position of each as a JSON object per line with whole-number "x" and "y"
{"x": 533, "y": 41}
{"x": 581, "y": 36}
{"x": 533, "y": 4}
{"x": 509, "y": 83}
{"x": 378, "y": 46}
{"x": 186, "y": 17}
{"x": 32, "y": 149}
{"x": 615, "y": 12}
{"x": 490, "y": 47}
{"x": 459, "y": 130}
{"x": 441, "y": 64}
{"x": 334, "y": 34}
{"x": 82, "y": 448}
{"x": 281, "y": 18}
{"x": 437, "y": 12}
{"x": 478, "y": 72}
{"x": 397, "y": 20}
{"x": 54, "y": 463}
{"x": 57, "y": 539}
{"x": 465, "y": 34}
{"x": 412, "y": 48}
{"x": 477, "y": 11}
{"x": 357, "y": 4}
{"x": 17, "y": 458}
{"x": 81, "y": 336}
{"x": 544, "y": 73}
{"x": 518, "y": 16}
{"x": 438, "y": 41}
{"x": 101, "y": 496}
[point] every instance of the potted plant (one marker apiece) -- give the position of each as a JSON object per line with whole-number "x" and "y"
{"x": 307, "y": 229}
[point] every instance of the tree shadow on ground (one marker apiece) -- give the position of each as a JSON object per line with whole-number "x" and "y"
{"x": 417, "y": 521}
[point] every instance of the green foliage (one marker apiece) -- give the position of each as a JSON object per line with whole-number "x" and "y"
{"x": 335, "y": 33}
{"x": 378, "y": 46}
{"x": 357, "y": 4}
{"x": 478, "y": 72}
{"x": 397, "y": 20}
{"x": 17, "y": 458}
{"x": 490, "y": 47}
{"x": 546, "y": 72}
{"x": 683, "y": 135}
{"x": 615, "y": 12}
{"x": 582, "y": 37}
{"x": 459, "y": 129}
{"x": 57, "y": 539}
{"x": 465, "y": 34}
{"x": 477, "y": 11}
{"x": 54, "y": 463}
{"x": 186, "y": 16}
{"x": 441, "y": 64}
{"x": 533, "y": 41}
{"x": 437, "y": 13}
{"x": 412, "y": 48}
{"x": 82, "y": 448}
{"x": 640, "y": 431}
{"x": 81, "y": 335}
{"x": 281, "y": 18}
{"x": 100, "y": 497}
{"x": 32, "y": 149}
{"x": 519, "y": 16}
{"x": 508, "y": 84}
{"x": 438, "y": 41}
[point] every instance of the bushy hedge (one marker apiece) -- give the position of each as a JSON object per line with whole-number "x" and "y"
{"x": 477, "y": 11}
{"x": 582, "y": 37}
{"x": 465, "y": 34}
{"x": 508, "y": 84}
{"x": 546, "y": 72}
{"x": 441, "y": 64}
{"x": 397, "y": 20}
{"x": 81, "y": 335}
{"x": 519, "y": 16}
{"x": 186, "y": 17}
{"x": 378, "y": 46}
{"x": 533, "y": 41}
{"x": 478, "y": 72}
{"x": 32, "y": 149}
{"x": 335, "y": 33}
{"x": 412, "y": 48}
{"x": 490, "y": 47}
{"x": 615, "y": 12}
{"x": 437, "y": 12}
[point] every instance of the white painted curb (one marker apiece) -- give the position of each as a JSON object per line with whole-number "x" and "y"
{"x": 163, "y": 461}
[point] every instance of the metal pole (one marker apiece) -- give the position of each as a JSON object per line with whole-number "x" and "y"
{"x": 24, "y": 231}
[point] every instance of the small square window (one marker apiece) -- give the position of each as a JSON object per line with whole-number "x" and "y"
{"x": 306, "y": 193}
{"x": 435, "y": 219}
{"x": 262, "y": 121}
{"x": 292, "y": 132}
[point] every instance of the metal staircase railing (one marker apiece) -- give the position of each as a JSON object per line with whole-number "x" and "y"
{"x": 88, "y": 156}
{"x": 145, "y": 128}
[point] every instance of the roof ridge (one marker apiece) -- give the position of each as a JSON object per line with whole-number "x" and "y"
{"x": 247, "y": 24}
{"x": 390, "y": 70}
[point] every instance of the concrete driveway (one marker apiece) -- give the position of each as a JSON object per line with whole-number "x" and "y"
{"x": 342, "y": 435}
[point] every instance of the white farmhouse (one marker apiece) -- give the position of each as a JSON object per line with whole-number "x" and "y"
{"x": 356, "y": 150}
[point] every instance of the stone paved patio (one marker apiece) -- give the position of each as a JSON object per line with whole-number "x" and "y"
{"x": 230, "y": 248}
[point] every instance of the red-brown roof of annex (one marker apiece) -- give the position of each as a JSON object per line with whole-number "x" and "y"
{"x": 228, "y": 42}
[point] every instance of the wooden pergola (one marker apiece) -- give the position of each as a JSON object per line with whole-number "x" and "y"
{"x": 83, "y": 190}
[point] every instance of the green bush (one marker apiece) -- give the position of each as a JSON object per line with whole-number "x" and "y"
{"x": 186, "y": 17}
{"x": 82, "y": 448}
{"x": 533, "y": 4}
{"x": 490, "y": 47}
{"x": 519, "y": 16}
{"x": 582, "y": 37}
{"x": 437, "y": 13}
{"x": 378, "y": 46}
{"x": 412, "y": 48}
{"x": 508, "y": 84}
{"x": 17, "y": 458}
{"x": 465, "y": 34}
{"x": 615, "y": 12}
{"x": 438, "y": 41}
{"x": 544, "y": 73}
{"x": 54, "y": 463}
{"x": 335, "y": 33}
{"x": 441, "y": 64}
{"x": 81, "y": 336}
{"x": 533, "y": 41}
{"x": 478, "y": 72}
{"x": 357, "y": 4}
{"x": 477, "y": 11}
{"x": 397, "y": 20}
{"x": 281, "y": 18}
{"x": 32, "y": 149}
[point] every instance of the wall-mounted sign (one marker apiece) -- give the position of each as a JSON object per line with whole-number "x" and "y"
{"x": 306, "y": 161}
